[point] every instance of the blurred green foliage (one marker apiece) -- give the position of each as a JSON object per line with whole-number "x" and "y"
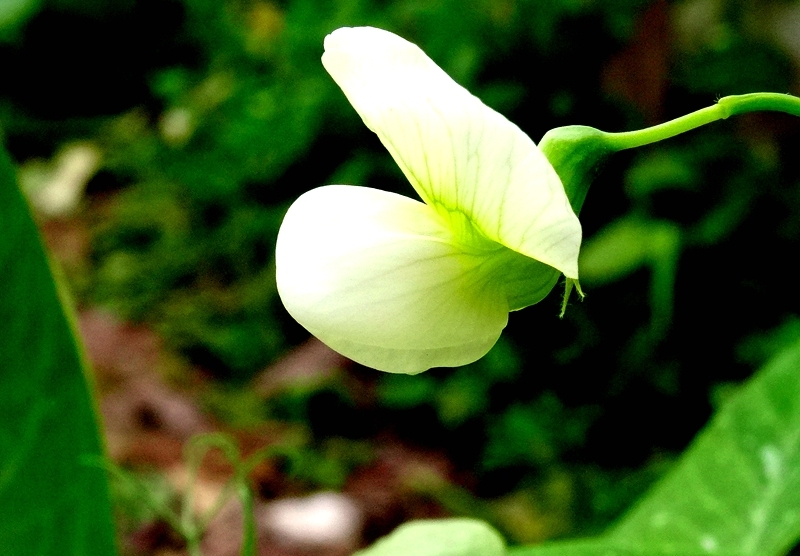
{"x": 216, "y": 114}
{"x": 13, "y": 14}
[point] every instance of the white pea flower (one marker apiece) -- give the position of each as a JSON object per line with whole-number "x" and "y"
{"x": 403, "y": 286}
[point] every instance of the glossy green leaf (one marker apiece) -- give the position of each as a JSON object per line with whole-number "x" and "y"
{"x": 602, "y": 547}
{"x": 737, "y": 489}
{"x": 54, "y": 496}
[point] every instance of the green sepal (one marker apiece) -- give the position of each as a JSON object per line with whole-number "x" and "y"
{"x": 577, "y": 153}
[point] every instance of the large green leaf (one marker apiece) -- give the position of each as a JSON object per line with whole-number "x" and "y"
{"x": 602, "y": 546}
{"x": 54, "y": 496}
{"x": 735, "y": 491}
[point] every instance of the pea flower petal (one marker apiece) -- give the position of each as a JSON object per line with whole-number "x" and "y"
{"x": 382, "y": 279}
{"x": 473, "y": 166}
{"x": 401, "y": 285}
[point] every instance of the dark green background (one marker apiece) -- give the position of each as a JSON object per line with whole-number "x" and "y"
{"x": 693, "y": 300}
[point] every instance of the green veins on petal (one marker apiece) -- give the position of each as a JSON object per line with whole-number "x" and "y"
{"x": 460, "y": 155}
{"x": 401, "y": 285}
{"x": 379, "y": 275}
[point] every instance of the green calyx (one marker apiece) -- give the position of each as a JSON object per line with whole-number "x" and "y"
{"x": 577, "y": 153}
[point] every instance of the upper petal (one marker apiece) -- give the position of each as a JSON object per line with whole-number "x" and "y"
{"x": 378, "y": 277}
{"x": 463, "y": 158}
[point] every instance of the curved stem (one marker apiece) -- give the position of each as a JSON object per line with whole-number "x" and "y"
{"x": 193, "y": 546}
{"x": 725, "y": 107}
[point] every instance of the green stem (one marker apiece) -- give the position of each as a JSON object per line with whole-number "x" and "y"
{"x": 725, "y": 107}
{"x": 249, "y": 519}
{"x": 193, "y": 546}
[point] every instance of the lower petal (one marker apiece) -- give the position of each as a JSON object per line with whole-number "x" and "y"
{"x": 380, "y": 278}
{"x": 410, "y": 361}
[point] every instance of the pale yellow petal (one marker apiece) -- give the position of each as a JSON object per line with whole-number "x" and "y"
{"x": 477, "y": 169}
{"x": 378, "y": 277}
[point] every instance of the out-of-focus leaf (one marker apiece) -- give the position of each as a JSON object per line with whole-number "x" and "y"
{"x": 625, "y": 246}
{"x": 663, "y": 169}
{"x": 441, "y": 537}
{"x": 403, "y": 391}
{"x": 737, "y": 65}
{"x": 14, "y": 13}
{"x": 760, "y": 346}
{"x": 53, "y": 490}
{"x": 461, "y": 396}
{"x": 534, "y": 434}
{"x": 629, "y": 244}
